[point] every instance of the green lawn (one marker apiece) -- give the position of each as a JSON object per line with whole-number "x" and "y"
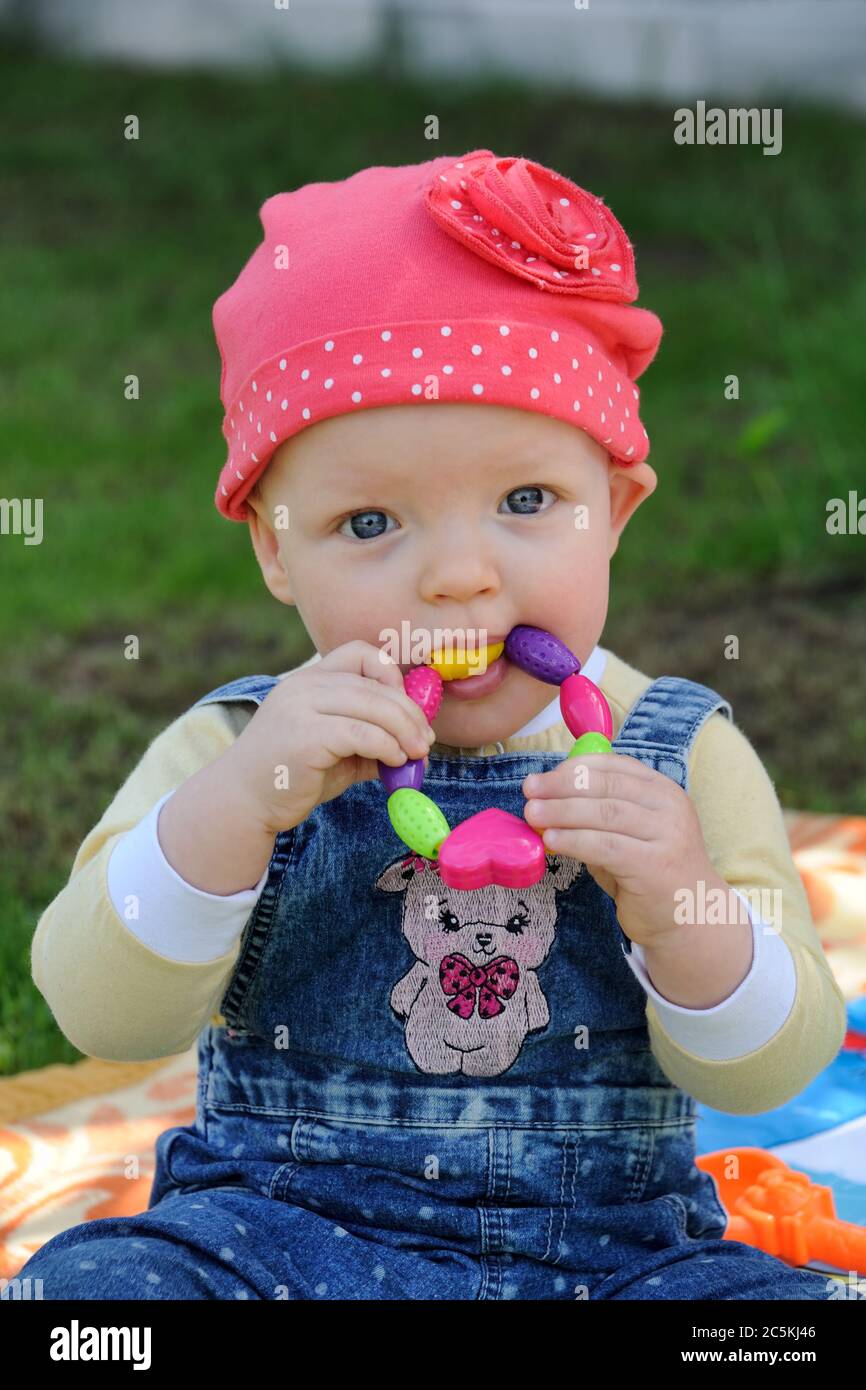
{"x": 111, "y": 255}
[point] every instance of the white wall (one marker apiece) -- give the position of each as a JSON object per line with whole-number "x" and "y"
{"x": 739, "y": 50}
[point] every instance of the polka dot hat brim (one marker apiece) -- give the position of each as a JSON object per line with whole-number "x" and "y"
{"x": 532, "y": 329}
{"x": 511, "y": 364}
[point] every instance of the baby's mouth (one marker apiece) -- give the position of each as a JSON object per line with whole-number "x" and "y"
{"x": 474, "y": 687}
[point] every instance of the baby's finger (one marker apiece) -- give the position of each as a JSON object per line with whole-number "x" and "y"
{"x": 613, "y": 853}
{"x": 361, "y": 658}
{"x": 581, "y": 813}
{"x": 347, "y": 736}
{"x": 342, "y": 693}
{"x": 366, "y": 662}
{"x": 596, "y": 774}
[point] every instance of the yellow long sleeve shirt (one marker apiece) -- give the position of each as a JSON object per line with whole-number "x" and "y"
{"x": 116, "y": 997}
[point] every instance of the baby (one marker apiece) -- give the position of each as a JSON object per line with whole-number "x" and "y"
{"x": 411, "y": 1091}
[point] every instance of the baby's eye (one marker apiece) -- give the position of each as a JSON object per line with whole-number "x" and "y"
{"x": 365, "y": 525}
{"x": 527, "y": 499}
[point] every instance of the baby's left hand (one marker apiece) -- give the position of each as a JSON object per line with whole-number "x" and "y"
{"x": 635, "y": 829}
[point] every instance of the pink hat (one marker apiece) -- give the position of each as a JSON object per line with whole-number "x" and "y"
{"x": 471, "y": 279}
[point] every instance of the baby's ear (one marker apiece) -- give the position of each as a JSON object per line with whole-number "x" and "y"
{"x": 629, "y": 486}
{"x": 256, "y": 500}
{"x": 266, "y": 544}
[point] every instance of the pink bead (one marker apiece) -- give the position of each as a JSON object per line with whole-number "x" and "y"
{"x": 492, "y": 846}
{"x": 584, "y": 708}
{"x": 424, "y": 685}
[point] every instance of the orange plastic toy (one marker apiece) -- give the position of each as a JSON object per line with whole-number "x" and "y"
{"x": 783, "y": 1212}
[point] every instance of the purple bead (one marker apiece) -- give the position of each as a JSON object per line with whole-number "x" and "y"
{"x": 411, "y": 774}
{"x": 540, "y": 654}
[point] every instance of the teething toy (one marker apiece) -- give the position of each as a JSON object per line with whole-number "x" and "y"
{"x": 453, "y": 669}
{"x": 492, "y": 846}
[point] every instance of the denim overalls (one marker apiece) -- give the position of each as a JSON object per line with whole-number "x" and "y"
{"x": 424, "y": 1093}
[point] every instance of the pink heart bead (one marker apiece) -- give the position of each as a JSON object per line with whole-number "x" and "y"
{"x": 492, "y": 847}
{"x": 424, "y": 685}
{"x": 584, "y": 708}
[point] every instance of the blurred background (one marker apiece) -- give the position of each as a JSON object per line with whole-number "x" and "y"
{"x": 112, "y": 252}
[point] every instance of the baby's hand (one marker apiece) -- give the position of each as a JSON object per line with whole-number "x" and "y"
{"x": 323, "y": 728}
{"x": 636, "y": 830}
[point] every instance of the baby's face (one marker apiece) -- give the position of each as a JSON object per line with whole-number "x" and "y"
{"x": 447, "y": 516}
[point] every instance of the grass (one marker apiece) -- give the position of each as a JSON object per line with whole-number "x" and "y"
{"x": 111, "y": 255}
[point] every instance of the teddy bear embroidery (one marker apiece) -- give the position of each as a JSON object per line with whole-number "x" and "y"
{"x": 473, "y": 994}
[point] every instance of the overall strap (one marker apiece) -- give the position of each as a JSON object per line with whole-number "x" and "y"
{"x": 245, "y": 688}
{"x": 664, "y": 721}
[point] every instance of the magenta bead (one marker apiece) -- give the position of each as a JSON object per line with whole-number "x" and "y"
{"x": 411, "y": 774}
{"x": 424, "y": 685}
{"x": 492, "y": 846}
{"x": 584, "y": 708}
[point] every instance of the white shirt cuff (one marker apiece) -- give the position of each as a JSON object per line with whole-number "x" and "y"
{"x": 749, "y": 1017}
{"x": 165, "y": 912}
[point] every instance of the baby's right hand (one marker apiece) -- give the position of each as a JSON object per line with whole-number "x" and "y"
{"x": 326, "y": 725}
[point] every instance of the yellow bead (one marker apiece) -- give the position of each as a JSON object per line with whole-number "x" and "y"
{"x": 590, "y": 743}
{"x": 457, "y": 669}
{"x": 418, "y": 821}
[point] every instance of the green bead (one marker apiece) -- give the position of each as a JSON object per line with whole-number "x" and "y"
{"x": 418, "y": 821}
{"x": 590, "y": 743}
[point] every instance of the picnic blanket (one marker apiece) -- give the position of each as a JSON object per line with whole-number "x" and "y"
{"x": 77, "y": 1142}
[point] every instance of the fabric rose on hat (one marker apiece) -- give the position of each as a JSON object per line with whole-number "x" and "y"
{"x": 534, "y": 223}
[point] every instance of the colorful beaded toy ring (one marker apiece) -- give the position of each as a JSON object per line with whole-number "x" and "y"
{"x": 492, "y": 846}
